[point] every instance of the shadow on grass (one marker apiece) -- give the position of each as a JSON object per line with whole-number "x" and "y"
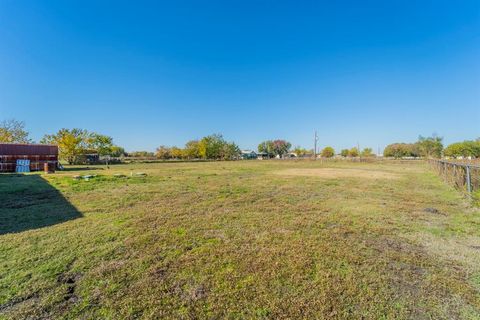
{"x": 30, "y": 202}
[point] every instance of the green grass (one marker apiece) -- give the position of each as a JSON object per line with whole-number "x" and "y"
{"x": 237, "y": 240}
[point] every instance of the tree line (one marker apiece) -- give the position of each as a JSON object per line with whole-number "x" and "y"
{"x": 432, "y": 147}
{"x": 73, "y": 143}
{"x": 212, "y": 147}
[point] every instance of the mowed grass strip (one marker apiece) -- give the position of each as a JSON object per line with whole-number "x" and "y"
{"x": 239, "y": 240}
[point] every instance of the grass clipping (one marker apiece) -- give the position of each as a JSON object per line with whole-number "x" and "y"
{"x": 333, "y": 173}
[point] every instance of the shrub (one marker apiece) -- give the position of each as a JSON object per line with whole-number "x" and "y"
{"x": 353, "y": 152}
{"x": 430, "y": 146}
{"x": 328, "y": 152}
{"x": 463, "y": 149}
{"x": 367, "y": 153}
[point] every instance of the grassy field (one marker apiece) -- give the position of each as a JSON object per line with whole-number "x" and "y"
{"x": 239, "y": 240}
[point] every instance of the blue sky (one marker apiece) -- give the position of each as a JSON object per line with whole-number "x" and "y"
{"x": 161, "y": 73}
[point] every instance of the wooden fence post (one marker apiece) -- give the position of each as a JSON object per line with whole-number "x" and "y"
{"x": 469, "y": 185}
{"x": 445, "y": 172}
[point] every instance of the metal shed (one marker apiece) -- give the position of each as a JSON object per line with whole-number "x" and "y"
{"x": 38, "y": 154}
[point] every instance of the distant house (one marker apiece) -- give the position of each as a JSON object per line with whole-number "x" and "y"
{"x": 92, "y": 157}
{"x": 248, "y": 154}
{"x": 262, "y": 155}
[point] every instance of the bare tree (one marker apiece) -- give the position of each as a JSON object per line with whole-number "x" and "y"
{"x": 13, "y": 131}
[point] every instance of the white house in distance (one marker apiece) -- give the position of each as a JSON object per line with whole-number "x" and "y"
{"x": 262, "y": 155}
{"x": 248, "y": 154}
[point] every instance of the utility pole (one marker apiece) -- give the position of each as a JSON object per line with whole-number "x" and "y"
{"x": 315, "y": 146}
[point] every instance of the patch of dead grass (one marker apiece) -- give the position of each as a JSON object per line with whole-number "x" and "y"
{"x": 334, "y": 173}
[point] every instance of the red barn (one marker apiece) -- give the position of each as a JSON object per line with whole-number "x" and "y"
{"x": 38, "y": 154}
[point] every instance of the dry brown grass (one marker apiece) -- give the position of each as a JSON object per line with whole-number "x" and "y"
{"x": 338, "y": 173}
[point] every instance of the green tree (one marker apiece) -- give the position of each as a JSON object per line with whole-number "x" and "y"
{"x": 215, "y": 147}
{"x": 457, "y": 150}
{"x": 400, "y": 150}
{"x": 13, "y": 131}
{"x": 463, "y": 149}
{"x": 328, "y": 152}
{"x": 276, "y": 147}
{"x": 211, "y": 146}
{"x": 71, "y": 143}
{"x": 430, "y": 147}
{"x": 344, "y": 153}
{"x": 266, "y": 147}
{"x": 101, "y": 143}
{"x": 353, "y": 152}
{"x": 74, "y": 142}
{"x": 230, "y": 151}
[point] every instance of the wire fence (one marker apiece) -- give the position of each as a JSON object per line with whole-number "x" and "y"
{"x": 463, "y": 176}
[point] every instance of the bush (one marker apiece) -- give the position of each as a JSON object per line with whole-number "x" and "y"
{"x": 430, "y": 147}
{"x": 367, "y": 153}
{"x": 463, "y": 149}
{"x": 353, "y": 152}
{"x": 328, "y": 152}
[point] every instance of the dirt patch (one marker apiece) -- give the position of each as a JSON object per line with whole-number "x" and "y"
{"x": 332, "y": 173}
{"x": 433, "y": 211}
{"x": 70, "y": 281}
{"x": 464, "y": 250}
{"x": 17, "y": 301}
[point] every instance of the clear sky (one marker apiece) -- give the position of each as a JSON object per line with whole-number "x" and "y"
{"x": 163, "y": 72}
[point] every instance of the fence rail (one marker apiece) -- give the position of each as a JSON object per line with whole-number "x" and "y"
{"x": 463, "y": 176}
